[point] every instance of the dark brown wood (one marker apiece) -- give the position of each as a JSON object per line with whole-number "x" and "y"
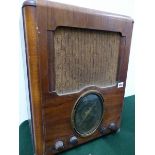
{"x": 54, "y": 113}
{"x": 51, "y": 113}
{"x": 29, "y": 17}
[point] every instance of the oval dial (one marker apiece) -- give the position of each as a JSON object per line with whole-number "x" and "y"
{"x": 88, "y": 113}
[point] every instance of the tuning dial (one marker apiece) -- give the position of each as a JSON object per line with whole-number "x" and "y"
{"x": 73, "y": 140}
{"x": 59, "y": 145}
{"x": 113, "y": 127}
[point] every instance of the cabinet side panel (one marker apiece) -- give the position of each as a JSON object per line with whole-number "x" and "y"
{"x": 29, "y": 17}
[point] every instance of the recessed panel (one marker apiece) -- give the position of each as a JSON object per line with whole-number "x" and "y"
{"x": 84, "y": 57}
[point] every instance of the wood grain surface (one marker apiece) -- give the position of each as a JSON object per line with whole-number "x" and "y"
{"x": 29, "y": 17}
{"x": 57, "y": 63}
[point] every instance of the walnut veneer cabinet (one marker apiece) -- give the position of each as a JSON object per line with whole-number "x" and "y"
{"x": 77, "y": 62}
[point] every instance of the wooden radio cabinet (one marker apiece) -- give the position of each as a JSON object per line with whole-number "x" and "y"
{"x": 77, "y": 62}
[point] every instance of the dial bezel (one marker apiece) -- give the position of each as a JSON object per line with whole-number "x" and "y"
{"x": 74, "y": 110}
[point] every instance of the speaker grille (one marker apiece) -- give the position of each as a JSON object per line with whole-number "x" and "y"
{"x": 84, "y": 57}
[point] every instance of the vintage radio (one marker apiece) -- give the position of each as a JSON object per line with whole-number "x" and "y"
{"x": 77, "y": 62}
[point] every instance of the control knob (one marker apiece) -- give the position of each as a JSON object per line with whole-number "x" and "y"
{"x": 59, "y": 145}
{"x": 73, "y": 140}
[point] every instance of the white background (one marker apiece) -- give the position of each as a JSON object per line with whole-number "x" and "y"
{"x": 143, "y": 49}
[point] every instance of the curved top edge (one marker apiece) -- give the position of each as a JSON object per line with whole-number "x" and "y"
{"x": 50, "y": 4}
{"x": 29, "y": 3}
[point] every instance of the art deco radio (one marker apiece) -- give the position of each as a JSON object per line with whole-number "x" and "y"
{"x": 77, "y": 62}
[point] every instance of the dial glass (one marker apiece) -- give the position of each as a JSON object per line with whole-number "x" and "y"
{"x": 88, "y": 113}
